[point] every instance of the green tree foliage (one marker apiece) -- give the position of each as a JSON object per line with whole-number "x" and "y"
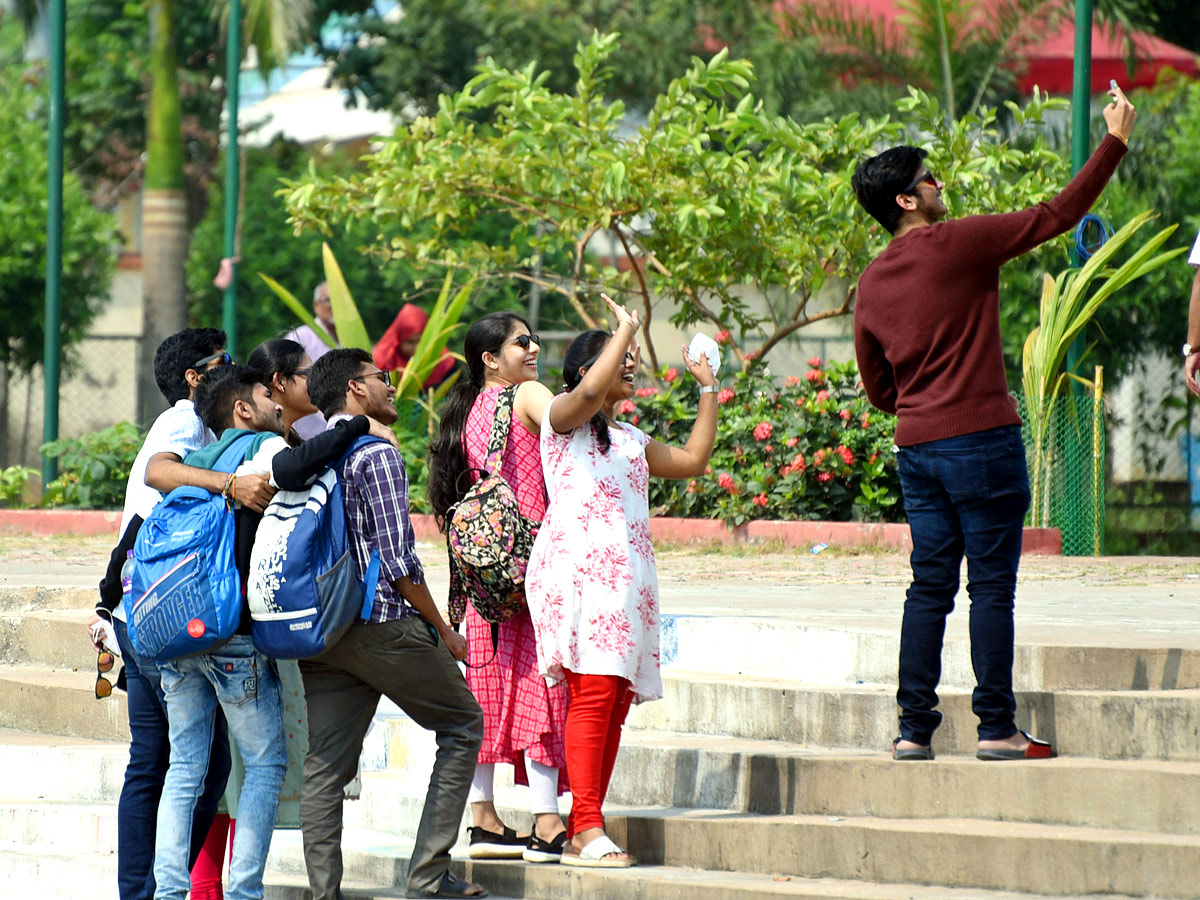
{"x": 711, "y": 194}
{"x": 437, "y": 45}
{"x": 269, "y": 246}
{"x": 89, "y": 235}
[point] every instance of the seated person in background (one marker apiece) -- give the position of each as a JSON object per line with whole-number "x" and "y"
{"x": 399, "y": 342}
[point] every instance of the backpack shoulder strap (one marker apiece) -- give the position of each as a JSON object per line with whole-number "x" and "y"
{"x": 359, "y": 442}
{"x": 501, "y": 425}
{"x": 235, "y": 454}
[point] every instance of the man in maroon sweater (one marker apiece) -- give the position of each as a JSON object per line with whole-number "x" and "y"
{"x": 927, "y": 336}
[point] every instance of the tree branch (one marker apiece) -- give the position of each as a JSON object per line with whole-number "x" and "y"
{"x": 637, "y": 271}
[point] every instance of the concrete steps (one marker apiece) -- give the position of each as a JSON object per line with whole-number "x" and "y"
{"x": 738, "y": 784}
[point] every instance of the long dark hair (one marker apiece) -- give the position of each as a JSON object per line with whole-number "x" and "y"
{"x": 282, "y": 357}
{"x": 583, "y": 351}
{"x": 447, "y": 455}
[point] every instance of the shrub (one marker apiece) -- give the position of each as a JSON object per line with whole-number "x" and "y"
{"x": 812, "y": 447}
{"x": 12, "y": 485}
{"x": 94, "y": 468}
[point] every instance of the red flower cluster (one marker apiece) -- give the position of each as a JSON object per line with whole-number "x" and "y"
{"x": 724, "y": 395}
{"x": 845, "y": 414}
{"x": 670, "y": 375}
{"x": 824, "y": 476}
{"x": 792, "y": 442}
{"x": 816, "y": 376}
{"x": 819, "y": 457}
{"x": 815, "y": 362}
{"x": 763, "y": 430}
{"x": 760, "y": 500}
{"x": 822, "y": 396}
{"x": 793, "y": 381}
{"x": 625, "y": 407}
{"x": 646, "y": 391}
{"x": 797, "y": 465}
{"x": 846, "y": 454}
{"x": 723, "y": 336}
{"x": 725, "y": 480}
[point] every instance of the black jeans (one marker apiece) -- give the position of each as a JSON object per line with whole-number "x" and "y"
{"x": 963, "y": 495}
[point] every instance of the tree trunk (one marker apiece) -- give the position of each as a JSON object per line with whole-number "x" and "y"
{"x": 164, "y": 209}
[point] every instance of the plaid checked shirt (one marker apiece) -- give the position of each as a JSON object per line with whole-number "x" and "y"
{"x": 375, "y": 490}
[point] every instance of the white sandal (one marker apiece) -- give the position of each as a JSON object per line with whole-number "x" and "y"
{"x": 595, "y": 855}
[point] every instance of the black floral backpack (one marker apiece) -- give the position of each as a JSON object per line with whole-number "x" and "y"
{"x": 487, "y": 537}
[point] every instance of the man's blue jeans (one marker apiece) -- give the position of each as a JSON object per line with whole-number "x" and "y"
{"x": 245, "y": 685}
{"x": 149, "y": 753}
{"x": 963, "y": 495}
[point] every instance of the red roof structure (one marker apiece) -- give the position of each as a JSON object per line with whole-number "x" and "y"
{"x": 1050, "y": 63}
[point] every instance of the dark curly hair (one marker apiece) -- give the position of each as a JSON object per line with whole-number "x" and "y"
{"x": 180, "y": 352}
{"x": 583, "y": 351}
{"x": 447, "y": 455}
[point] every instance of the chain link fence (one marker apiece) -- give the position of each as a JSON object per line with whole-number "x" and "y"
{"x": 1154, "y": 470}
{"x": 1065, "y": 452}
{"x": 97, "y": 390}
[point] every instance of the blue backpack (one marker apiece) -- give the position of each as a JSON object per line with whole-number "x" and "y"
{"x": 186, "y": 596}
{"x": 304, "y": 591}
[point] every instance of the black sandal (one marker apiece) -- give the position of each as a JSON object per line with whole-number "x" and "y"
{"x": 492, "y": 845}
{"x": 539, "y": 851}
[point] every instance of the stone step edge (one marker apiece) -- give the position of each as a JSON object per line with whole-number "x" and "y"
{"x": 638, "y": 883}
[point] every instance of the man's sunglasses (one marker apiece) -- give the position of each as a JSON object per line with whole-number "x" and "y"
{"x": 385, "y": 377}
{"x": 104, "y": 663}
{"x": 225, "y": 359}
{"x": 928, "y": 178}
{"x": 524, "y": 340}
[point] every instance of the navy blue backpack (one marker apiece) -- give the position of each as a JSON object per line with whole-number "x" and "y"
{"x": 186, "y": 596}
{"x": 304, "y": 591}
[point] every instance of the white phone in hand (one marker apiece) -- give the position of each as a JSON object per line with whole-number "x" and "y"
{"x": 702, "y": 344}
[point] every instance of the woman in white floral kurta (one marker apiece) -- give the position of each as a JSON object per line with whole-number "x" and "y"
{"x": 591, "y": 583}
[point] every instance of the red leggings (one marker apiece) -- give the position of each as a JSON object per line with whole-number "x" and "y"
{"x": 599, "y": 704}
{"x": 206, "y": 873}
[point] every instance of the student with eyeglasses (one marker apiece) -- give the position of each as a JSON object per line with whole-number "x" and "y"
{"x": 523, "y": 719}
{"x": 927, "y": 337}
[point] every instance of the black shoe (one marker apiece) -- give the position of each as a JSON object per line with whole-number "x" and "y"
{"x": 490, "y": 845}
{"x": 539, "y": 851}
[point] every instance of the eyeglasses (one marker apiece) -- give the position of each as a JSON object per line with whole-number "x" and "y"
{"x": 928, "y": 178}
{"x": 385, "y": 377}
{"x": 225, "y": 359}
{"x": 524, "y": 340}
{"x": 104, "y": 663}
{"x": 302, "y": 373}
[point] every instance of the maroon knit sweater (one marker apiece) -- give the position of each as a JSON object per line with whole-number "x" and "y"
{"x": 927, "y": 315}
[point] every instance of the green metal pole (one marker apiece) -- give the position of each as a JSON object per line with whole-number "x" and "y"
{"x": 233, "y": 60}
{"x": 1081, "y": 123}
{"x": 54, "y": 230}
{"x": 1079, "y": 527}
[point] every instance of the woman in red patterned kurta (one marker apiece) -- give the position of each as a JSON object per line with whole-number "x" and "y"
{"x": 523, "y": 718}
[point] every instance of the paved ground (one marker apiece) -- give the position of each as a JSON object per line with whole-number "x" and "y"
{"x": 1113, "y": 601}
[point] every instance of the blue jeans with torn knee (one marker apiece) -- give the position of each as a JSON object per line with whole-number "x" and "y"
{"x": 245, "y": 685}
{"x": 965, "y": 495}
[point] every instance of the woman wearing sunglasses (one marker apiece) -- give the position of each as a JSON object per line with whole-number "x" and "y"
{"x": 592, "y": 585}
{"x": 285, "y": 364}
{"x": 523, "y": 719}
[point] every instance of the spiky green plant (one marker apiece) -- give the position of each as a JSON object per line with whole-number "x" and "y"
{"x": 1067, "y": 305}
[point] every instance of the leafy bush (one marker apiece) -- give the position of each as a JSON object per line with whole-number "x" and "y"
{"x": 811, "y": 448}
{"x": 94, "y": 468}
{"x": 12, "y": 485}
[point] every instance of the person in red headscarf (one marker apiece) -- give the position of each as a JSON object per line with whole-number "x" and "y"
{"x": 399, "y": 342}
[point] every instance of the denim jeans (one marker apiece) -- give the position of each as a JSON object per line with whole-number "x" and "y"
{"x": 245, "y": 685}
{"x": 963, "y": 495}
{"x": 149, "y": 753}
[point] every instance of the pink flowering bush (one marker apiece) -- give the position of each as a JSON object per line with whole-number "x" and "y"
{"x": 802, "y": 447}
